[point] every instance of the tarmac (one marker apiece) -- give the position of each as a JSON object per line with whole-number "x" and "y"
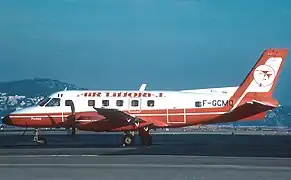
{"x": 180, "y": 156}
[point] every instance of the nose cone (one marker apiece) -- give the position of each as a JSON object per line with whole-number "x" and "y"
{"x": 7, "y": 120}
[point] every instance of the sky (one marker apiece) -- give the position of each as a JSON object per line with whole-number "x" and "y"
{"x": 168, "y": 44}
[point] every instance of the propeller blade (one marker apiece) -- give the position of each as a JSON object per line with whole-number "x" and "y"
{"x": 72, "y": 117}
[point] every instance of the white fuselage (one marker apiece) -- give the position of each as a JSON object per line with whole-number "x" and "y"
{"x": 200, "y": 98}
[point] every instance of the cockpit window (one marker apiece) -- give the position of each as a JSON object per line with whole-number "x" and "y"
{"x": 53, "y": 102}
{"x": 43, "y": 102}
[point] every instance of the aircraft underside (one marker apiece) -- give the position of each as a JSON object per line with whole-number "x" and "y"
{"x": 129, "y": 128}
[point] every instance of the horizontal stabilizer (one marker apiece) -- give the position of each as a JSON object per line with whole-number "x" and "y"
{"x": 243, "y": 111}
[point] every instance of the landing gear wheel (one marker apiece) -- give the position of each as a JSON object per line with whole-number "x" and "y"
{"x": 128, "y": 139}
{"x": 147, "y": 141}
{"x": 41, "y": 141}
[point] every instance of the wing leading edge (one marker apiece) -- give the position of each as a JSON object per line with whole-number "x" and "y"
{"x": 117, "y": 115}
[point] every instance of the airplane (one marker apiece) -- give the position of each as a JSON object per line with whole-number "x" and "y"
{"x": 132, "y": 111}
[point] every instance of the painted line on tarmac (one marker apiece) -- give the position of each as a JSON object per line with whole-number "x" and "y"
{"x": 219, "y": 166}
{"x": 49, "y": 155}
{"x": 163, "y": 156}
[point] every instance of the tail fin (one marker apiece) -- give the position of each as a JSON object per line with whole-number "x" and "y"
{"x": 262, "y": 79}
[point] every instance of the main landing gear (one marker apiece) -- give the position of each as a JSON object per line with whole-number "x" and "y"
{"x": 37, "y": 139}
{"x": 145, "y": 137}
{"x": 128, "y": 138}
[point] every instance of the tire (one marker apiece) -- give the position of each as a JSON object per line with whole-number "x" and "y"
{"x": 42, "y": 141}
{"x": 128, "y": 140}
{"x": 147, "y": 141}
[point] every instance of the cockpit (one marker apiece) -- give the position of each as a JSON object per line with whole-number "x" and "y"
{"x": 50, "y": 102}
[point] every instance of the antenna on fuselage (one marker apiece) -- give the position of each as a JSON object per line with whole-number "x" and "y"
{"x": 142, "y": 87}
{"x": 65, "y": 88}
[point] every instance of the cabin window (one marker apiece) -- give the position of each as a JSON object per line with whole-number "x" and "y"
{"x": 134, "y": 103}
{"x": 43, "y": 102}
{"x": 119, "y": 103}
{"x": 53, "y": 102}
{"x": 151, "y": 103}
{"x": 68, "y": 103}
{"x": 91, "y": 102}
{"x": 105, "y": 102}
{"x": 198, "y": 104}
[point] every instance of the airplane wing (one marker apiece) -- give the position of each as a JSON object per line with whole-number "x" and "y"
{"x": 115, "y": 114}
{"x": 244, "y": 111}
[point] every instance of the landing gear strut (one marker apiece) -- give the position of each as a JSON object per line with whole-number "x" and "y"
{"x": 128, "y": 138}
{"x": 37, "y": 139}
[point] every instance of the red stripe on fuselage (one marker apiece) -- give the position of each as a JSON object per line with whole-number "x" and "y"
{"x": 174, "y": 118}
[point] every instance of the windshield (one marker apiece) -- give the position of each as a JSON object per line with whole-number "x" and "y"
{"x": 43, "y": 102}
{"x": 53, "y": 102}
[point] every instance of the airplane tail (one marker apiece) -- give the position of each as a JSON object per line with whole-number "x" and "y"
{"x": 261, "y": 80}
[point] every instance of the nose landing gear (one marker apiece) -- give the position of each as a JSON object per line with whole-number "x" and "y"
{"x": 37, "y": 139}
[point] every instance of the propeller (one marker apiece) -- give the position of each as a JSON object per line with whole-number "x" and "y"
{"x": 72, "y": 117}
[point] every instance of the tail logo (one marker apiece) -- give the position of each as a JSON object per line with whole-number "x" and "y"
{"x": 264, "y": 75}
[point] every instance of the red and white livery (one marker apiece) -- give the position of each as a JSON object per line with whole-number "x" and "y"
{"x": 142, "y": 110}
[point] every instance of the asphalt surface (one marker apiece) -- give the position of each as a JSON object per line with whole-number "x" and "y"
{"x": 172, "y": 156}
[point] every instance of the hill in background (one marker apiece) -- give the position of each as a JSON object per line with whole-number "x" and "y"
{"x": 23, "y": 93}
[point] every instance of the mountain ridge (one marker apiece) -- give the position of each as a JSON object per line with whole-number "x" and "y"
{"x": 35, "y": 87}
